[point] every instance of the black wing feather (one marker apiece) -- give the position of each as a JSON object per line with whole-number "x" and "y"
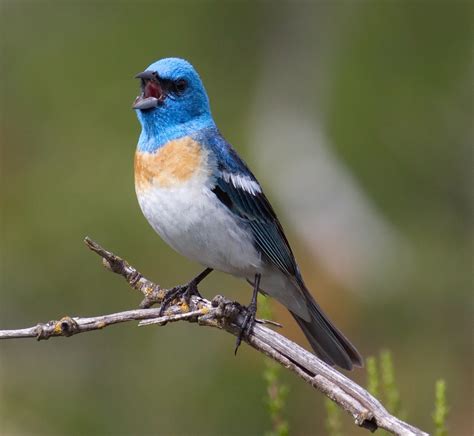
{"x": 256, "y": 211}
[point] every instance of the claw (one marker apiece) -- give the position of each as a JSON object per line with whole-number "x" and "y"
{"x": 173, "y": 294}
{"x": 184, "y": 291}
{"x": 247, "y": 326}
{"x": 249, "y": 320}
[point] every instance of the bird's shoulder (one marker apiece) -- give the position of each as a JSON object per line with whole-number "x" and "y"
{"x": 227, "y": 159}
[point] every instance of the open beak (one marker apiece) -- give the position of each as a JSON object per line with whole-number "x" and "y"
{"x": 151, "y": 91}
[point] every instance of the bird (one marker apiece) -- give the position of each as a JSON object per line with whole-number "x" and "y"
{"x": 203, "y": 200}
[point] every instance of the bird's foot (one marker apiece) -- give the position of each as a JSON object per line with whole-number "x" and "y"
{"x": 247, "y": 325}
{"x": 249, "y": 319}
{"x": 184, "y": 292}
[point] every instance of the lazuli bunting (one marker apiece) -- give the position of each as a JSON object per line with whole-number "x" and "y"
{"x": 201, "y": 198}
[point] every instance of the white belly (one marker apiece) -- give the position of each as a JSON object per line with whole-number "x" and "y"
{"x": 193, "y": 221}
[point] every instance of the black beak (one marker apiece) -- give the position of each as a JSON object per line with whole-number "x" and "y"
{"x": 146, "y": 75}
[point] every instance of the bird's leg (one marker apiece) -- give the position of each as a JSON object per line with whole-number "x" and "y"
{"x": 185, "y": 291}
{"x": 250, "y": 314}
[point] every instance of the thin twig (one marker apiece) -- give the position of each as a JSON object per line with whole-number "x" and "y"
{"x": 366, "y": 410}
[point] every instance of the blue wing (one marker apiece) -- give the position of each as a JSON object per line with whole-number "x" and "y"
{"x": 238, "y": 189}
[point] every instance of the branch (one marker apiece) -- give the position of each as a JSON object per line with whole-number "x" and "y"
{"x": 366, "y": 410}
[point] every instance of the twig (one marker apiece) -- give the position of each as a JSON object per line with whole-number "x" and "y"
{"x": 366, "y": 410}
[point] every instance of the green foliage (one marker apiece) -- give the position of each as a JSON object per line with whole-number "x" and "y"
{"x": 276, "y": 392}
{"x": 391, "y": 395}
{"x": 372, "y": 376}
{"x": 333, "y": 418}
{"x": 441, "y": 409}
{"x": 389, "y": 388}
{"x": 381, "y": 382}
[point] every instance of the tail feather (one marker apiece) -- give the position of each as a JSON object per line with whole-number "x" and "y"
{"x": 327, "y": 341}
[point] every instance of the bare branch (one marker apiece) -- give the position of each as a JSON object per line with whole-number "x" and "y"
{"x": 366, "y": 410}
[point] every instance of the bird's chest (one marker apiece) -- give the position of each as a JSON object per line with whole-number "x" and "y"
{"x": 169, "y": 183}
{"x": 173, "y": 189}
{"x": 178, "y": 163}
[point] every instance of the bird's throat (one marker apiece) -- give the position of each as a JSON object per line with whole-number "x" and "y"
{"x": 158, "y": 129}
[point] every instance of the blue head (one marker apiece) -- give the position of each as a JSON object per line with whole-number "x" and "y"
{"x": 173, "y": 103}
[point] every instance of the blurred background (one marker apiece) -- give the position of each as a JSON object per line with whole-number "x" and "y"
{"x": 357, "y": 119}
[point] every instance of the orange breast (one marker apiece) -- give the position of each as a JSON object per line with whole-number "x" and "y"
{"x": 172, "y": 164}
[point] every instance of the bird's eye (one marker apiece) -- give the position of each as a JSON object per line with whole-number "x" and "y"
{"x": 180, "y": 85}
